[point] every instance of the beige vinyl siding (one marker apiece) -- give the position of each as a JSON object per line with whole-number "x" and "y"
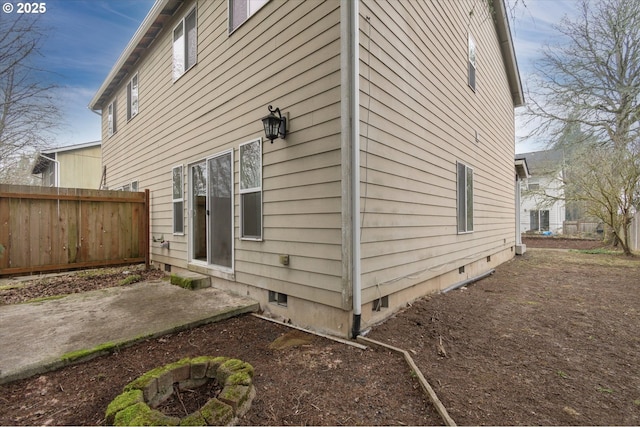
{"x": 217, "y": 105}
{"x": 419, "y": 117}
{"x": 80, "y": 168}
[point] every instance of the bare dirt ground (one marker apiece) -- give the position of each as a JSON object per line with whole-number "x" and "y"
{"x": 550, "y": 338}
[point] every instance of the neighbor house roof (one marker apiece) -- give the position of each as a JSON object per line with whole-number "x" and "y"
{"x": 163, "y": 10}
{"x": 543, "y": 162}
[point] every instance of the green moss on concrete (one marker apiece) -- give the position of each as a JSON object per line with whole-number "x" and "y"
{"x": 234, "y": 395}
{"x": 143, "y": 380}
{"x": 12, "y": 286}
{"x": 130, "y": 279}
{"x": 80, "y": 354}
{"x": 50, "y": 298}
{"x": 140, "y": 414}
{"x": 217, "y": 413}
{"x": 194, "y": 419}
{"x": 121, "y": 402}
{"x": 231, "y": 367}
{"x": 183, "y": 282}
{"x": 239, "y": 378}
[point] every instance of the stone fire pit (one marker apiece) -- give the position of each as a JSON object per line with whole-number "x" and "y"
{"x": 138, "y": 403}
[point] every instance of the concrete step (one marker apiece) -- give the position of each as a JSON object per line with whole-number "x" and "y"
{"x": 191, "y": 280}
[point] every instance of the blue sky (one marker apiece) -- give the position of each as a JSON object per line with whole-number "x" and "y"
{"x": 86, "y": 37}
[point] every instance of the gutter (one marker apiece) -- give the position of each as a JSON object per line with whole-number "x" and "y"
{"x": 508, "y": 53}
{"x": 354, "y": 105}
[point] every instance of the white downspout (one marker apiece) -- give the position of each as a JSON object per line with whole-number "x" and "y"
{"x": 56, "y": 171}
{"x": 354, "y": 62}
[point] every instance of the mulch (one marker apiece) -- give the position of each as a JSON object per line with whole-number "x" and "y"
{"x": 550, "y": 338}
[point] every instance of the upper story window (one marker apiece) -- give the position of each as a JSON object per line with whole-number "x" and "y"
{"x": 132, "y": 97}
{"x": 111, "y": 118}
{"x": 241, "y": 10}
{"x": 465, "y": 198}
{"x": 185, "y": 45}
{"x": 472, "y": 63}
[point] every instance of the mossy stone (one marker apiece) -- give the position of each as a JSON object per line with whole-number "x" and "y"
{"x": 194, "y": 419}
{"x": 234, "y": 395}
{"x": 121, "y": 402}
{"x": 217, "y": 413}
{"x": 231, "y": 367}
{"x": 141, "y": 415}
{"x": 239, "y": 378}
{"x": 182, "y": 282}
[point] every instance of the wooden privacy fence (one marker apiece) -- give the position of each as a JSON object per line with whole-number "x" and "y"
{"x": 55, "y": 229}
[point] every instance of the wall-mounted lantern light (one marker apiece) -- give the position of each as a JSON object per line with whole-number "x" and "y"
{"x": 274, "y": 126}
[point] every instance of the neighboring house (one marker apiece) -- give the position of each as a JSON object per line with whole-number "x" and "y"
{"x": 73, "y": 166}
{"x": 395, "y": 178}
{"x": 542, "y": 206}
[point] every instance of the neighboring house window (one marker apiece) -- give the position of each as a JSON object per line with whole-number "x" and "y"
{"x": 533, "y": 186}
{"x": 111, "y": 118}
{"x": 178, "y": 201}
{"x": 132, "y": 97}
{"x": 126, "y": 187}
{"x": 539, "y": 220}
{"x": 251, "y": 189}
{"x": 472, "y": 63}
{"x": 185, "y": 45}
{"x": 134, "y": 186}
{"x": 465, "y": 198}
{"x": 241, "y": 10}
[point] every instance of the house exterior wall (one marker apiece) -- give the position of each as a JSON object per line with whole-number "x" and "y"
{"x": 80, "y": 168}
{"x": 419, "y": 118}
{"x": 532, "y": 200}
{"x": 216, "y": 106}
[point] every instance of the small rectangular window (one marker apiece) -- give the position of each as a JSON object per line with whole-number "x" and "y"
{"x": 185, "y": 45}
{"x": 132, "y": 97}
{"x": 251, "y": 190}
{"x": 278, "y": 298}
{"x": 134, "y": 186}
{"x": 465, "y": 198}
{"x": 178, "y": 200}
{"x": 111, "y": 119}
{"x": 241, "y": 10}
{"x": 472, "y": 63}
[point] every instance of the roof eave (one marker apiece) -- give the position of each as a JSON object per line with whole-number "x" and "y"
{"x": 143, "y": 37}
{"x": 508, "y": 53}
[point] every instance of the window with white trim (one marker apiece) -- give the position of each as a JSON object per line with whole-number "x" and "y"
{"x": 111, "y": 118}
{"x": 251, "y": 190}
{"x": 177, "y": 200}
{"x": 132, "y": 97}
{"x": 472, "y": 63}
{"x": 241, "y": 10}
{"x": 185, "y": 44}
{"x": 134, "y": 186}
{"x": 465, "y": 198}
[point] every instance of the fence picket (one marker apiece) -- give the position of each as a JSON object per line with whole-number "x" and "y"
{"x": 55, "y": 229}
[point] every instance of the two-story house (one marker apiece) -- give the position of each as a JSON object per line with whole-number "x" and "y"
{"x": 71, "y": 166}
{"x": 542, "y": 206}
{"x": 393, "y": 176}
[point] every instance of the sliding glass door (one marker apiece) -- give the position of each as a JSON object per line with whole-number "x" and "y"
{"x": 211, "y": 207}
